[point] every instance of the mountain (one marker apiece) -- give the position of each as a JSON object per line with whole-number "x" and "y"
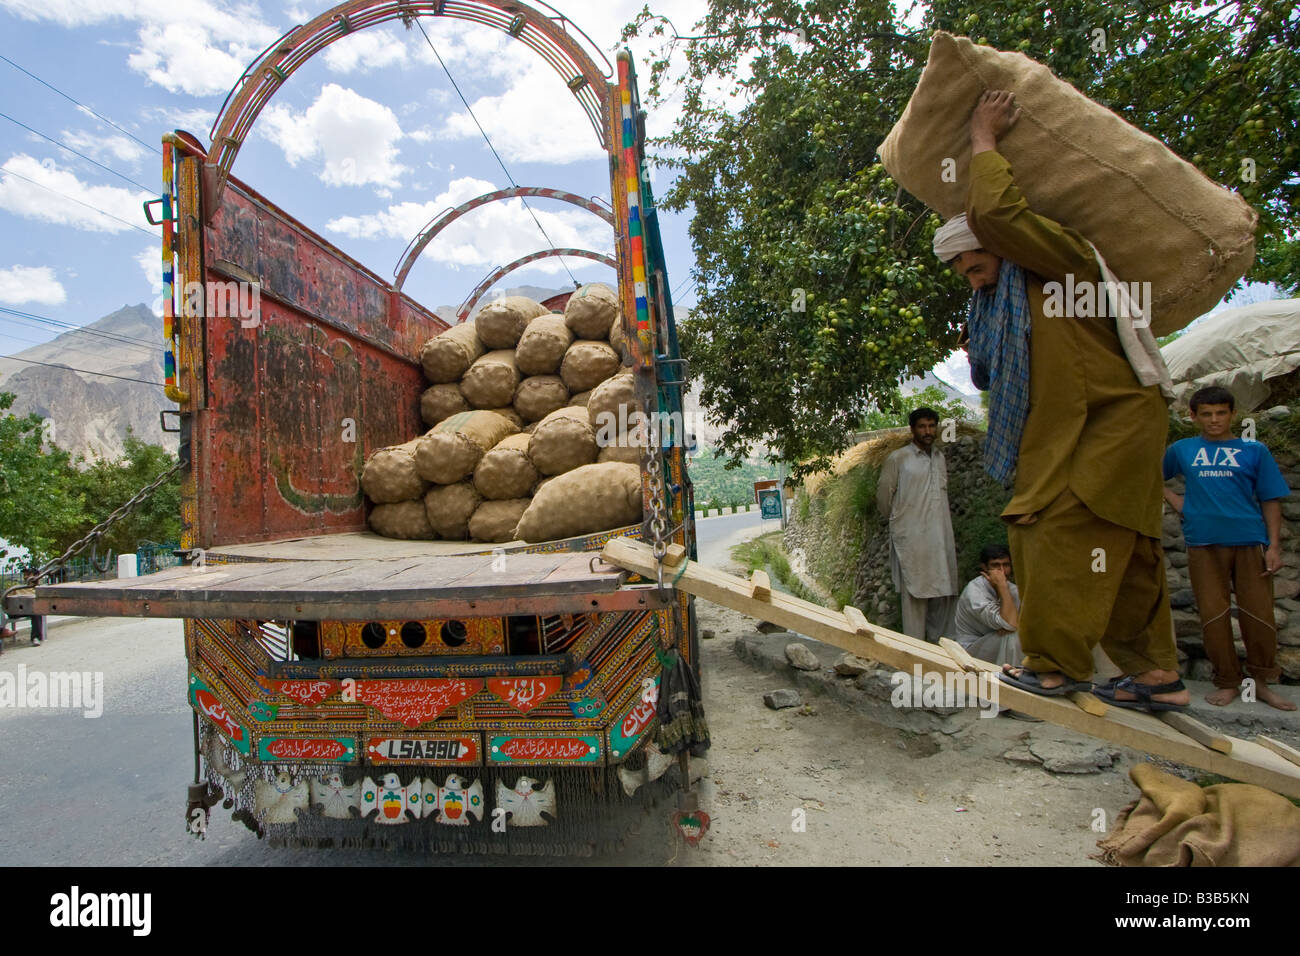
{"x": 90, "y": 413}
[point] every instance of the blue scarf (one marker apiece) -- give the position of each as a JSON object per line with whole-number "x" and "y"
{"x": 999, "y": 358}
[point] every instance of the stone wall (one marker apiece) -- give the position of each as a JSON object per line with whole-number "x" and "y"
{"x": 858, "y": 557}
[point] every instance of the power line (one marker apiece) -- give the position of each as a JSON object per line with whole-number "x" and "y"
{"x": 138, "y": 381}
{"x": 58, "y": 323}
{"x": 74, "y": 152}
{"x": 488, "y": 140}
{"x": 9, "y": 172}
{"x": 80, "y": 104}
{"x": 141, "y": 348}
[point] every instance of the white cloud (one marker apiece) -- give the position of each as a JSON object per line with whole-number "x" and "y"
{"x": 356, "y": 137}
{"x": 150, "y": 262}
{"x": 176, "y": 117}
{"x": 104, "y": 148}
{"x": 365, "y": 51}
{"x": 491, "y": 235}
{"x": 23, "y": 198}
{"x": 31, "y": 284}
{"x": 182, "y": 58}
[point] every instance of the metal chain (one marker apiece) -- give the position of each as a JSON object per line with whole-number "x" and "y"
{"x": 97, "y": 532}
{"x": 658, "y": 513}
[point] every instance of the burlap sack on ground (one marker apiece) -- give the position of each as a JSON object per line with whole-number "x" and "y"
{"x": 506, "y": 471}
{"x": 539, "y": 395}
{"x": 405, "y": 519}
{"x": 542, "y": 346}
{"x": 591, "y": 311}
{"x": 452, "y": 448}
{"x": 583, "y": 501}
{"x": 449, "y": 508}
{"x": 389, "y": 474}
{"x": 502, "y": 321}
{"x": 448, "y": 354}
{"x": 562, "y": 441}
{"x": 495, "y": 521}
{"x": 611, "y": 406}
{"x": 581, "y": 398}
{"x": 440, "y": 402}
{"x": 491, "y": 381}
{"x": 1154, "y": 217}
{"x": 586, "y": 364}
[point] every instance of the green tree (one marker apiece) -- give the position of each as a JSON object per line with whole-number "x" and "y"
{"x": 38, "y": 507}
{"x": 105, "y": 486}
{"x": 817, "y": 288}
{"x": 896, "y": 406}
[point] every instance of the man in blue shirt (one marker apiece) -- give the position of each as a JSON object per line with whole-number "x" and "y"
{"x": 1232, "y": 522}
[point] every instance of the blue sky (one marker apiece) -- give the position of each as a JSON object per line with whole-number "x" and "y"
{"x": 365, "y": 144}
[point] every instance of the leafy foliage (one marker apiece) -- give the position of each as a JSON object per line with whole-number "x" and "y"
{"x": 719, "y": 485}
{"x": 896, "y": 406}
{"x": 817, "y": 289}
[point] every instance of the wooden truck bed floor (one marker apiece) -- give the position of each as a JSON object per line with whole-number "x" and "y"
{"x": 348, "y": 545}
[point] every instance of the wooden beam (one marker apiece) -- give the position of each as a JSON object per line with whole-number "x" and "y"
{"x": 1198, "y": 731}
{"x": 1249, "y": 762}
{"x": 1285, "y": 751}
{"x": 676, "y": 555}
{"x": 1088, "y": 703}
{"x": 963, "y": 656}
{"x": 760, "y": 587}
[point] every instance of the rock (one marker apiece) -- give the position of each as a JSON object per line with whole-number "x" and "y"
{"x": 1286, "y": 590}
{"x": 767, "y": 627}
{"x": 1291, "y": 510}
{"x": 1178, "y": 559}
{"x": 1280, "y": 618}
{"x": 1286, "y": 574}
{"x": 877, "y": 683}
{"x": 1288, "y": 658}
{"x": 1171, "y": 526}
{"x": 1193, "y": 644}
{"x": 801, "y": 657}
{"x": 1289, "y": 637}
{"x": 1021, "y": 755}
{"x": 1187, "y": 624}
{"x": 1061, "y": 756}
{"x": 1182, "y": 599}
{"x": 850, "y": 665}
{"x": 785, "y": 697}
{"x": 1200, "y": 669}
{"x": 707, "y": 634}
{"x": 1276, "y": 412}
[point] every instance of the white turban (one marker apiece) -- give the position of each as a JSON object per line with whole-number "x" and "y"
{"x": 953, "y": 238}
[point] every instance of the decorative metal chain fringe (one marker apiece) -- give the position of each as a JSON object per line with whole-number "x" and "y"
{"x": 97, "y": 532}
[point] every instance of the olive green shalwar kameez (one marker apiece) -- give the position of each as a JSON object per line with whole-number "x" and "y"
{"x": 1084, "y": 517}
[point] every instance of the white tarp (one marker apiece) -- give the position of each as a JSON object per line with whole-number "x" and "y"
{"x": 1239, "y": 349}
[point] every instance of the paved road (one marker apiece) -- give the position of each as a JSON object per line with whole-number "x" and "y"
{"x": 80, "y": 791}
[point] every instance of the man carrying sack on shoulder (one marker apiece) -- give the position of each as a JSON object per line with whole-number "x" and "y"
{"x": 1077, "y": 414}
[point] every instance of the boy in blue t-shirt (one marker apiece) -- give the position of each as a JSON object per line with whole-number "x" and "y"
{"x": 1232, "y": 521}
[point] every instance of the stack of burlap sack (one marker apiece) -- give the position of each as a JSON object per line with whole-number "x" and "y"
{"x": 519, "y": 399}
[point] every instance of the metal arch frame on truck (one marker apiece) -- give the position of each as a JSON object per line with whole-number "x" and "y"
{"x": 500, "y": 272}
{"x": 445, "y": 218}
{"x": 547, "y": 35}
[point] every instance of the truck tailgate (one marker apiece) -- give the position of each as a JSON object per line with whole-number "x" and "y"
{"x": 354, "y": 590}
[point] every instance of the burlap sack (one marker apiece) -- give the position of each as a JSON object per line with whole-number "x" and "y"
{"x": 542, "y": 484}
{"x": 586, "y": 364}
{"x": 496, "y": 520}
{"x": 583, "y": 501}
{"x": 591, "y": 311}
{"x": 625, "y": 451}
{"x": 508, "y": 412}
{"x": 440, "y": 402}
{"x": 449, "y": 508}
{"x": 562, "y": 441}
{"x": 618, "y": 342}
{"x": 1154, "y": 217}
{"x": 405, "y": 519}
{"x": 506, "y": 471}
{"x": 581, "y": 398}
{"x": 491, "y": 381}
{"x": 448, "y": 354}
{"x": 539, "y": 395}
{"x": 451, "y": 449}
{"x": 542, "y": 346}
{"x": 611, "y": 406}
{"x": 502, "y": 321}
{"x": 389, "y": 474}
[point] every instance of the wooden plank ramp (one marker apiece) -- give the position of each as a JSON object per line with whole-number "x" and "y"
{"x": 1244, "y": 760}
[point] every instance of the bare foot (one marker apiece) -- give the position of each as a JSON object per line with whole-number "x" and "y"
{"x": 1222, "y": 696}
{"x": 1273, "y": 698}
{"x": 1048, "y": 679}
{"x": 1155, "y": 678}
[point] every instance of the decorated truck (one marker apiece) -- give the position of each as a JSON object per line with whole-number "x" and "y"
{"x": 353, "y": 689}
